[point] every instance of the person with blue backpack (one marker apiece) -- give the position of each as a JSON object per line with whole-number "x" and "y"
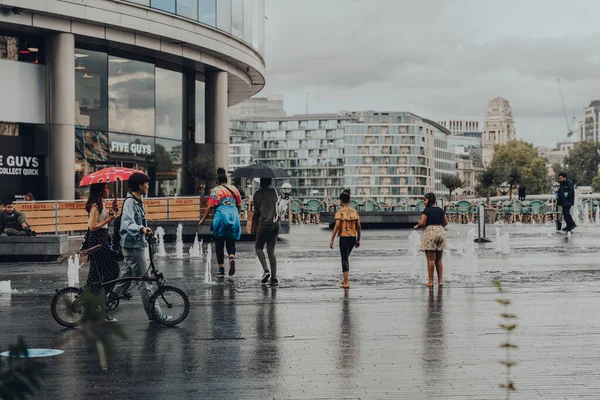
{"x": 226, "y": 202}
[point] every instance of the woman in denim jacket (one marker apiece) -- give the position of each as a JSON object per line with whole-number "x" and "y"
{"x": 133, "y": 239}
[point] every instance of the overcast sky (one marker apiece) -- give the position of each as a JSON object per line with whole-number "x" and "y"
{"x": 437, "y": 58}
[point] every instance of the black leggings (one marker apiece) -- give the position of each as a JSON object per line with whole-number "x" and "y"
{"x": 220, "y": 243}
{"x": 267, "y": 234}
{"x": 347, "y": 243}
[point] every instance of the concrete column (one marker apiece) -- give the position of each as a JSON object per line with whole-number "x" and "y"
{"x": 60, "y": 70}
{"x": 218, "y": 97}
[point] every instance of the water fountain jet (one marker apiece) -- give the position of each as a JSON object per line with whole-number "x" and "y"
{"x": 160, "y": 234}
{"x": 179, "y": 242}
{"x": 72, "y": 271}
{"x": 207, "y": 271}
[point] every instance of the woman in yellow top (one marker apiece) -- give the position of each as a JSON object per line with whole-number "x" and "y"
{"x": 347, "y": 227}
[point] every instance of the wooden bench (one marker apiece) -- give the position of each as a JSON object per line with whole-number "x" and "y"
{"x": 40, "y": 215}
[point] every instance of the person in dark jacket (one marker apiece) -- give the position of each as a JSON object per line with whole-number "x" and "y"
{"x": 521, "y": 193}
{"x": 13, "y": 222}
{"x": 566, "y": 199}
{"x": 266, "y": 217}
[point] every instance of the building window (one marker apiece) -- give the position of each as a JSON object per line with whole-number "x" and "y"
{"x": 91, "y": 80}
{"x": 165, "y": 5}
{"x": 168, "y": 159}
{"x": 169, "y": 104}
{"x": 207, "y": 12}
{"x": 200, "y": 113}
{"x": 237, "y": 18}
{"x": 188, "y": 8}
{"x": 29, "y": 49}
{"x": 224, "y": 15}
{"x": 130, "y": 96}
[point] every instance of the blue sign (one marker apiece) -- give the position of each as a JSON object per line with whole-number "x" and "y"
{"x": 33, "y": 353}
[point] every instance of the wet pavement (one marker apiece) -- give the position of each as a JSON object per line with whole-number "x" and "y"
{"x": 386, "y": 337}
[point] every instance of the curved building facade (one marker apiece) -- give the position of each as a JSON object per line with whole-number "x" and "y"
{"x": 142, "y": 83}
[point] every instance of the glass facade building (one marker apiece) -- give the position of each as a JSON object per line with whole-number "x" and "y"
{"x": 123, "y": 84}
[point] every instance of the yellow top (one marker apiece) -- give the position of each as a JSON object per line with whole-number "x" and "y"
{"x": 349, "y": 221}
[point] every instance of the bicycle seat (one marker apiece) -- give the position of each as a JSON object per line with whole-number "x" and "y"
{"x": 90, "y": 251}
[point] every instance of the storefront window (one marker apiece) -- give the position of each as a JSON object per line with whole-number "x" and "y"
{"x": 130, "y": 96}
{"x": 168, "y": 168}
{"x": 224, "y": 15}
{"x": 91, "y": 78}
{"x": 207, "y": 12}
{"x": 91, "y": 149}
{"x": 200, "y": 113}
{"x": 169, "y": 104}
{"x": 165, "y": 5}
{"x": 187, "y": 8}
{"x": 23, "y": 48}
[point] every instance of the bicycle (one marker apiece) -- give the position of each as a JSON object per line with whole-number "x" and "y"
{"x": 168, "y": 304}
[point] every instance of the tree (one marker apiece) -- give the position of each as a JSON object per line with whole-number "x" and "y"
{"x": 596, "y": 184}
{"x": 513, "y": 179}
{"x": 518, "y": 162}
{"x": 452, "y": 182}
{"x": 557, "y": 168}
{"x": 202, "y": 167}
{"x": 490, "y": 178}
{"x": 581, "y": 164}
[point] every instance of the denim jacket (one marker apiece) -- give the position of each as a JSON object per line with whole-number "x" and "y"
{"x": 133, "y": 218}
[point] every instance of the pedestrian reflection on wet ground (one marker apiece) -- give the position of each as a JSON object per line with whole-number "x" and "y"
{"x": 434, "y": 346}
{"x": 266, "y": 347}
{"x": 349, "y": 346}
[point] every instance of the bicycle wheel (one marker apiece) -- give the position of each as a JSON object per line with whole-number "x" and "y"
{"x": 169, "y": 305}
{"x": 66, "y": 309}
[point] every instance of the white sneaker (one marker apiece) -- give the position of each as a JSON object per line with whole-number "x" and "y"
{"x": 110, "y": 319}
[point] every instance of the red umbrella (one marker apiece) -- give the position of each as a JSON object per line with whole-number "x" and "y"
{"x": 108, "y": 175}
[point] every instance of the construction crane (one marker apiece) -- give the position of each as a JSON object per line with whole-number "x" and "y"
{"x": 574, "y": 119}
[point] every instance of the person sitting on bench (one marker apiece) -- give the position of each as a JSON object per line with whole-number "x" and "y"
{"x": 13, "y": 222}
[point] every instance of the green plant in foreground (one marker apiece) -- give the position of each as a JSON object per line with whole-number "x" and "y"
{"x": 95, "y": 328}
{"x": 19, "y": 374}
{"x": 508, "y": 325}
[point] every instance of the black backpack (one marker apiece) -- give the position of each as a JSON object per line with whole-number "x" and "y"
{"x": 116, "y": 238}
